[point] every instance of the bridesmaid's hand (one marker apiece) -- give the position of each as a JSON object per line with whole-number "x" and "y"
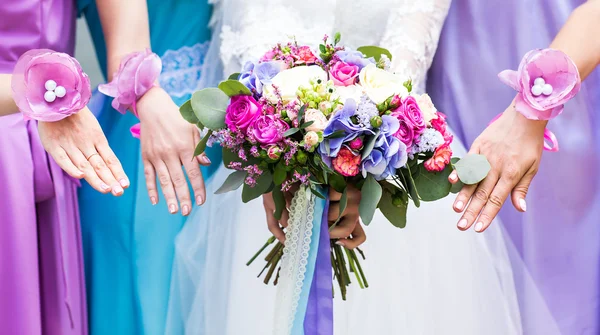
{"x": 168, "y": 143}
{"x": 80, "y": 148}
{"x": 513, "y": 145}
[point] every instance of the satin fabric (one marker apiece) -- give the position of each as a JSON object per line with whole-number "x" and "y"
{"x": 558, "y": 236}
{"x": 129, "y": 244}
{"x": 41, "y": 263}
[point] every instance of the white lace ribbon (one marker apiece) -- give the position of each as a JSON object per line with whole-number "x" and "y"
{"x": 298, "y": 239}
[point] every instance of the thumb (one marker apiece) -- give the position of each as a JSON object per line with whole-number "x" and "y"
{"x": 519, "y": 193}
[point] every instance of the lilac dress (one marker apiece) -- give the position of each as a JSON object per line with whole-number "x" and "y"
{"x": 559, "y": 236}
{"x": 41, "y": 265}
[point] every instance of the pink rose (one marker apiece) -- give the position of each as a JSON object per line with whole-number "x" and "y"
{"x": 346, "y": 163}
{"x": 405, "y": 133}
{"x": 137, "y": 73}
{"x": 311, "y": 138}
{"x": 440, "y": 159}
{"x": 544, "y": 67}
{"x": 268, "y": 129}
{"x": 241, "y": 112}
{"x": 356, "y": 144}
{"x": 49, "y": 86}
{"x": 409, "y": 109}
{"x": 318, "y": 118}
{"x": 344, "y": 74}
{"x": 305, "y": 56}
{"x": 274, "y": 152}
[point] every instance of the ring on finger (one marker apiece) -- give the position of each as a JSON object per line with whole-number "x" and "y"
{"x": 92, "y": 155}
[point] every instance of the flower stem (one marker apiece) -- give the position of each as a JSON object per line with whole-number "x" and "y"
{"x": 353, "y": 267}
{"x": 269, "y": 242}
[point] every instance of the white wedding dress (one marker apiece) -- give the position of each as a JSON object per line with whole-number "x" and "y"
{"x": 427, "y": 279}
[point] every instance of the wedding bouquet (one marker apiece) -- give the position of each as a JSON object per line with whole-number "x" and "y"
{"x": 325, "y": 119}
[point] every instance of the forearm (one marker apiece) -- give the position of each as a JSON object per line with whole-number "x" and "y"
{"x": 578, "y": 38}
{"x": 125, "y": 27}
{"x": 7, "y": 104}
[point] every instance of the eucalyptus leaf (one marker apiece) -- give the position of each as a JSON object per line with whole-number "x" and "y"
{"x": 290, "y": 132}
{"x": 263, "y": 183}
{"x": 280, "y": 173}
{"x": 472, "y": 168}
{"x": 233, "y": 182}
{"x": 317, "y": 193}
{"x": 337, "y": 134}
{"x": 343, "y": 204}
{"x": 201, "y": 147}
{"x": 431, "y": 185}
{"x": 234, "y": 76}
{"x": 306, "y": 124}
{"x": 457, "y": 187}
{"x": 337, "y": 182}
{"x": 370, "y": 145}
{"x": 395, "y": 214}
{"x": 233, "y": 88}
{"x": 231, "y": 157}
{"x": 279, "y": 200}
{"x": 209, "y": 106}
{"x": 301, "y": 113}
{"x": 187, "y": 112}
{"x": 410, "y": 185}
{"x": 375, "y": 52}
{"x": 370, "y": 196}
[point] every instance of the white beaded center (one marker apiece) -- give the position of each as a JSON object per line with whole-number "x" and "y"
{"x": 540, "y": 87}
{"x": 53, "y": 91}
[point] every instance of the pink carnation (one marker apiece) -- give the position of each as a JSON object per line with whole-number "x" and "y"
{"x": 440, "y": 159}
{"x": 346, "y": 163}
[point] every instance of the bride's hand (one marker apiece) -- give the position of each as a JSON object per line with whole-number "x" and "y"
{"x": 80, "y": 148}
{"x": 513, "y": 145}
{"x": 168, "y": 142}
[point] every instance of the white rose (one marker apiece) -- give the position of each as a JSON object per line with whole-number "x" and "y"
{"x": 320, "y": 121}
{"x": 348, "y": 92}
{"x": 288, "y": 81}
{"x": 311, "y": 138}
{"x": 427, "y": 107}
{"x": 379, "y": 84}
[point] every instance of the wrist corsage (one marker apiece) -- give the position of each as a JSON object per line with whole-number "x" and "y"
{"x": 546, "y": 80}
{"x": 49, "y": 86}
{"x": 137, "y": 74}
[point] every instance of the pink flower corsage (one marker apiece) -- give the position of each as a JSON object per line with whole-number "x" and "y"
{"x": 546, "y": 80}
{"x": 137, "y": 74}
{"x": 49, "y": 86}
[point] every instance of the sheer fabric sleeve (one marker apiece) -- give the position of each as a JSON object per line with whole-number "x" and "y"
{"x": 412, "y": 33}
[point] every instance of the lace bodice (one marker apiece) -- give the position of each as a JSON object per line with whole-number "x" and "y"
{"x": 410, "y": 29}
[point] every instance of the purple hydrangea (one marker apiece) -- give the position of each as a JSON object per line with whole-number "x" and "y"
{"x": 355, "y": 58}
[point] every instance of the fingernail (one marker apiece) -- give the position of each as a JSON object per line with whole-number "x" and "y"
{"x": 153, "y": 201}
{"x": 172, "y": 209}
{"x": 185, "y": 210}
{"x": 459, "y": 205}
{"x": 462, "y": 223}
{"x": 206, "y": 160}
{"x": 523, "y": 204}
{"x": 80, "y": 173}
{"x": 339, "y": 243}
{"x": 117, "y": 190}
{"x": 199, "y": 200}
{"x": 104, "y": 186}
{"x": 479, "y": 226}
{"x": 453, "y": 176}
{"x": 124, "y": 182}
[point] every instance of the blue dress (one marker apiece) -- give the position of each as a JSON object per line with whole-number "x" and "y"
{"x": 128, "y": 243}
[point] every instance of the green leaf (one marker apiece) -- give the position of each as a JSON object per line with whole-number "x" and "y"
{"x": 410, "y": 185}
{"x": 280, "y": 173}
{"x": 306, "y": 124}
{"x": 457, "y": 187}
{"x": 370, "y": 196}
{"x": 316, "y": 193}
{"x": 290, "y": 132}
{"x": 233, "y": 88}
{"x": 472, "y": 168}
{"x": 263, "y": 183}
{"x": 187, "y": 112}
{"x": 202, "y": 144}
{"x": 322, "y": 48}
{"x": 234, "y": 76}
{"x": 343, "y": 204}
{"x": 337, "y": 134}
{"x": 233, "y": 182}
{"x": 209, "y": 106}
{"x": 301, "y": 113}
{"x": 337, "y": 37}
{"x": 370, "y": 145}
{"x": 230, "y": 157}
{"x": 433, "y": 186}
{"x": 375, "y": 52}
{"x": 279, "y": 200}
{"x": 337, "y": 182}
{"x": 395, "y": 214}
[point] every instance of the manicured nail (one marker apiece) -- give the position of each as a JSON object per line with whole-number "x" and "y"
{"x": 459, "y": 205}
{"x": 199, "y": 200}
{"x": 479, "y": 226}
{"x": 117, "y": 190}
{"x": 339, "y": 243}
{"x": 172, "y": 209}
{"x": 80, "y": 174}
{"x": 206, "y": 160}
{"x": 153, "y": 201}
{"x": 105, "y": 187}
{"x": 185, "y": 210}
{"x": 124, "y": 182}
{"x": 523, "y": 204}
{"x": 453, "y": 176}
{"x": 462, "y": 223}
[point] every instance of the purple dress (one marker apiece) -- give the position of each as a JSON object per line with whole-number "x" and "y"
{"x": 559, "y": 236}
{"x": 41, "y": 264}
